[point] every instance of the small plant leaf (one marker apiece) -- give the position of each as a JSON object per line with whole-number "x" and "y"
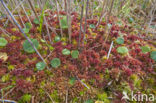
{"x": 26, "y": 30}
{"x": 40, "y": 65}
{"x": 75, "y": 54}
{"x": 8, "y": 87}
{"x": 72, "y": 81}
{"x": 3, "y": 42}
{"x": 100, "y": 101}
{"x": 66, "y": 52}
{"x": 64, "y": 24}
{"x": 25, "y": 98}
{"x": 57, "y": 38}
{"x": 102, "y": 96}
{"x": 122, "y": 50}
{"x": 28, "y": 25}
{"x": 130, "y": 20}
{"x": 51, "y": 48}
{"x": 36, "y": 21}
{"x": 43, "y": 41}
{"x": 28, "y": 47}
{"x": 55, "y": 62}
{"x": 145, "y": 49}
{"x": 5, "y": 78}
{"x": 92, "y": 26}
{"x": 119, "y": 23}
{"x": 14, "y": 29}
{"x": 120, "y": 40}
{"x": 89, "y": 101}
{"x": 109, "y": 25}
{"x": 153, "y": 55}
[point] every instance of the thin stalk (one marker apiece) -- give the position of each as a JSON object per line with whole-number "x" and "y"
{"x": 32, "y": 99}
{"x": 50, "y": 27}
{"x": 18, "y": 5}
{"x": 82, "y": 83}
{"x": 43, "y": 7}
{"x": 111, "y": 46}
{"x": 69, "y": 18}
{"x": 26, "y": 13}
{"x": 47, "y": 29}
{"x": 59, "y": 3}
{"x": 149, "y": 15}
{"x": 5, "y": 32}
{"x": 102, "y": 13}
{"x": 4, "y": 12}
{"x": 112, "y": 3}
{"x": 51, "y": 3}
{"x": 4, "y": 5}
{"x": 63, "y": 5}
{"x": 7, "y": 101}
{"x": 86, "y": 16}
{"x": 75, "y": 6}
{"x": 67, "y": 96}
{"x": 2, "y": 96}
{"x": 41, "y": 19}
{"x": 92, "y": 9}
{"x": 79, "y": 6}
{"x": 33, "y": 9}
{"x": 12, "y": 2}
{"x": 121, "y": 4}
{"x": 49, "y": 96}
{"x": 19, "y": 14}
{"x": 10, "y": 91}
{"x": 152, "y": 14}
{"x": 58, "y": 17}
{"x": 107, "y": 34}
{"x": 108, "y": 20}
{"x": 12, "y": 12}
{"x": 81, "y": 20}
{"x": 9, "y": 3}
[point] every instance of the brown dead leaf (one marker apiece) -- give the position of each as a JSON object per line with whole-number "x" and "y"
{"x": 3, "y": 56}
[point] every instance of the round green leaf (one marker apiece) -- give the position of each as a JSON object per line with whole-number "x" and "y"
{"x": 3, "y": 42}
{"x": 120, "y": 40}
{"x": 40, "y": 65}
{"x": 75, "y": 54}
{"x": 57, "y": 38}
{"x": 153, "y": 55}
{"x": 92, "y": 26}
{"x": 122, "y": 50}
{"x": 66, "y": 52}
{"x": 145, "y": 49}
{"x": 55, "y": 62}
{"x": 28, "y": 47}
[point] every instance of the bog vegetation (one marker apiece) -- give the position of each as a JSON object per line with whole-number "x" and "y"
{"x": 76, "y": 51}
